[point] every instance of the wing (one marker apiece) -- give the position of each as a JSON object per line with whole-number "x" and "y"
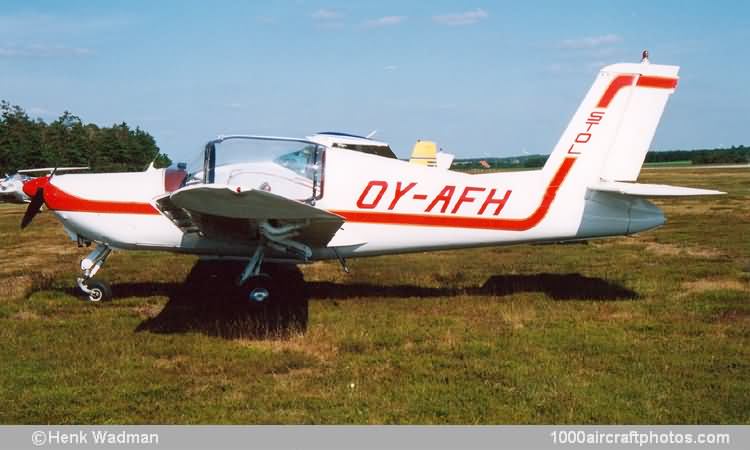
{"x": 222, "y": 213}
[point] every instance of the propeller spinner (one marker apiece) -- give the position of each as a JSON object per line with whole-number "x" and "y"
{"x": 35, "y": 189}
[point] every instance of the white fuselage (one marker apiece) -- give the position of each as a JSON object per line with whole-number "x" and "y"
{"x": 389, "y": 206}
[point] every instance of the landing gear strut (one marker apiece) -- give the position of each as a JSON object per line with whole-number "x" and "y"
{"x": 97, "y": 290}
{"x": 259, "y": 288}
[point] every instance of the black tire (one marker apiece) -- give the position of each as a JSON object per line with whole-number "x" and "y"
{"x": 100, "y": 291}
{"x": 259, "y": 291}
{"x": 284, "y": 308}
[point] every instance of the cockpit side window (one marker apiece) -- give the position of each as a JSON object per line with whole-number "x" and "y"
{"x": 301, "y": 162}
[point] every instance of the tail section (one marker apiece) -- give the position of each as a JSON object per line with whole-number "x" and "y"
{"x": 610, "y": 134}
{"x": 603, "y": 148}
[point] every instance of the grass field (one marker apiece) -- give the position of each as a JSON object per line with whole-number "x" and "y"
{"x": 669, "y": 163}
{"x": 647, "y": 329}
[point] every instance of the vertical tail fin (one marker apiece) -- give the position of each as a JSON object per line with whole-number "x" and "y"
{"x": 610, "y": 134}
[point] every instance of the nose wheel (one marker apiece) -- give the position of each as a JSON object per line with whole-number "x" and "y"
{"x": 98, "y": 290}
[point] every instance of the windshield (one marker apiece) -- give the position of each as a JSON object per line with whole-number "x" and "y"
{"x": 288, "y": 167}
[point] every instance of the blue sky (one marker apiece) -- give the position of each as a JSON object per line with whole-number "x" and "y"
{"x": 481, "y": 78}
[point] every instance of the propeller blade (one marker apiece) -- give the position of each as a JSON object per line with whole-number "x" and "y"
{"x": 36, "y": 204}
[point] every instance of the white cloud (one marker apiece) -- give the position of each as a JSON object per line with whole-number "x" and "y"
{"x": 464, "y": 18}
{"x": 390, "y": 68}
{"x": 386, "y": 21}
{"x": 591, "y": 42}
{"x": 43, "y": 50}
{"x": 327, "y": 15}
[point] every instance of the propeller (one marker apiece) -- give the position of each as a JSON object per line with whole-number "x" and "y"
{"x": 37, "y": 199}
{"x": 36, "y": 204}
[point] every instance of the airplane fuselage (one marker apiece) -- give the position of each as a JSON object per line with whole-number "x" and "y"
{"x": 389, "y": 206}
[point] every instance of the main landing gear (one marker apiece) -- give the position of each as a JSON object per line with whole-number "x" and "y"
{"x": 96, "y": 290}
{"x": 260, "y": 289}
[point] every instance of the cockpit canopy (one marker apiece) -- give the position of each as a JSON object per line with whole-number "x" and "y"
{"x": 353, "y": 142}
{"x": 292, "y": 168}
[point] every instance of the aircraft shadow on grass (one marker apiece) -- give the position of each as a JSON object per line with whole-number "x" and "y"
{"x": 207, "y": 303}
{"x": 557, "y": 286}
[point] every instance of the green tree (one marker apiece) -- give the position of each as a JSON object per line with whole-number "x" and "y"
{"x": 67, "y": 141}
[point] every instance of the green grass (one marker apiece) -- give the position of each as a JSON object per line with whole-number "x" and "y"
{"x": 686, "y": 162}
{"x": 646, "y": 329}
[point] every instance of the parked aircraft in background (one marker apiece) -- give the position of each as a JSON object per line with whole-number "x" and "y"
{"x": 273, "y": 200}
{"x": 11, "y": 188}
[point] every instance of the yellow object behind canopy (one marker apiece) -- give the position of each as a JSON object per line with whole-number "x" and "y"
{"x": 424, "y": 154}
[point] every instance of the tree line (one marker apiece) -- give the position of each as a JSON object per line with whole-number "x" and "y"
{"x": 27, "y": 143}
{"x": 732, "y": 155}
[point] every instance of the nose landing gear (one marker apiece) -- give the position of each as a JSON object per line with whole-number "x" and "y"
{"x": 96, "y": 290}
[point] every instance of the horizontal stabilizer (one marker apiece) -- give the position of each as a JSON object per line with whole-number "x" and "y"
{"x": 650, "y": 190}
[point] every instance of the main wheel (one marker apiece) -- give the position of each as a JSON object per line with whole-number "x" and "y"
{"x": 100, "y": 291}
{"x": 259, "y": 291}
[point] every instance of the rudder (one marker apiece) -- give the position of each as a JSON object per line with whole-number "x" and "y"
{"x": 610, "y": 133}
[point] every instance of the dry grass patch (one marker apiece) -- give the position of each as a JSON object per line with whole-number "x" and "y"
{"x": 25, "y": 315}
{"x": 731, "y": 316}
{"x": 518, "y": 314}
{"x": 171, "y": 362}
{"x": 665, "y": 249}
{"x": 613, "y": 313}
{"x": 148, "y": 311}
{"x": 16, "y": 287}
{"x": 315, "y": 343}
{"x": 705, "y": 285}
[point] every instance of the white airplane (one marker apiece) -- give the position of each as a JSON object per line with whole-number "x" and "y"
{"x": 272, "y": 200}
{"x": 11, "y": 188}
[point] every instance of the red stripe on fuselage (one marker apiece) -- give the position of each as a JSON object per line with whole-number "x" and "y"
{"x": 468, "y": 222}
{"x": 59, "y": 200}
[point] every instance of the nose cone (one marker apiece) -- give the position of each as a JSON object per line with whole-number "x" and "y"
{"x": 30, "y": 187}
